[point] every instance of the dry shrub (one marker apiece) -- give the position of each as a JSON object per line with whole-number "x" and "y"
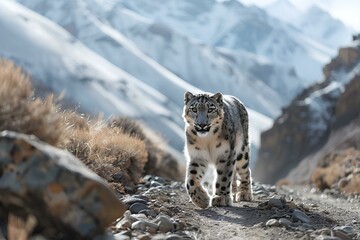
{"x": 20, "y": 111}
{"x": 120, "y": 152}
{"x": 351, "y": 185}
{"x": 339, "y": 170}
{"x": 115, "y": 156}
{"x": 159, "y": 162}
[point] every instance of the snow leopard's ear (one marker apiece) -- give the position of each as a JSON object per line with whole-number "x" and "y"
{"x": 218, "y": 97}
{"x": 187, "y": 97}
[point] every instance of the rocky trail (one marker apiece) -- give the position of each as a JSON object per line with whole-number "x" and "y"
{"x": 160, "y": 209}
{"x": 46, "y": 193}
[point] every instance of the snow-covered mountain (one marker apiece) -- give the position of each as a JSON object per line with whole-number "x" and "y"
{"x": 161, "y": 57}
{"x": 203, "y": 42}
{"x": 61, "y": 62}
{"x": 284, "y": 10}
{"x": 231, "y": 25}
{"x": 151, "y": 52}
{"x": 313, "y": 22}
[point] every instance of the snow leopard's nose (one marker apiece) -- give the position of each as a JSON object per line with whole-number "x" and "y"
{"x": 202, "y": 126}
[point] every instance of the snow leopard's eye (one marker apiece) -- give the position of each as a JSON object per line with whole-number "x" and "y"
{"x": 211, "y": 108}
{"x": 193, "y": 109}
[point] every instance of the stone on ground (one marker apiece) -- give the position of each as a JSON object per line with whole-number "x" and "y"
{"x": 55, "y": 187}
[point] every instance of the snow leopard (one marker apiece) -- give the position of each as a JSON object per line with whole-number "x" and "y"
{"x": 217, "y": 134}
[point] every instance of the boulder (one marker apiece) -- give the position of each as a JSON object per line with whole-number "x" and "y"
{"x": 55, "y": 187}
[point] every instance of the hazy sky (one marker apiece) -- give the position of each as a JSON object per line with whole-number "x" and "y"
{"x": 347, "y": 11}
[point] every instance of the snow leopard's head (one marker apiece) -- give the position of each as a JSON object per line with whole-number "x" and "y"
{"x": 203, "y": 112}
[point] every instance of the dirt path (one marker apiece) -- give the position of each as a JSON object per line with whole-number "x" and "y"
{"x": 248, "y": 220}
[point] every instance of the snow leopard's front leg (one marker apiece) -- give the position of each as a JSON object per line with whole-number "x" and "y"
{"x": 196, "y": 169}
{"x": 244, "y": 193}
{"x": 223, "y": 195}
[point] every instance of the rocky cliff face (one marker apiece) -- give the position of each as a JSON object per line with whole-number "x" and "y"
{"x": 307, "y": 123}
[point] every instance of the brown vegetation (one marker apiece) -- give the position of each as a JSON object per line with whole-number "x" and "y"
{"x": 21, "y": 112}
{"x": 114, "y": 155}
{"x": 339, "y": 170}
{"x": 118, "y": 151}
{"x": 159, "y": 162}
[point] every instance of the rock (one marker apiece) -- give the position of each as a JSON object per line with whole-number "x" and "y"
{"x": 300, "y": 216}
{"x": 272, "y": 223}
{"x": 145, "y": 198}
{"x": 144, "y": 226}
{"x": 179, "y": 226}
{"x": 144, "y": 237}
{"x": 285, "y": 222}
{"x": 291, "y": 205}
{"x": 149, "y": 212}
{"x": 262, "y": 206}
{"x": 322, "y": 237}
{"x": 158, "y": 237}
{"x": 163, "y": 209}
{"x": 154, "y": 184}
{"x": 173, "y": 237}
{"x": 160, "y": 180}
{"x": 275, "y": 202}
{"x": 139, "y": 216}
{"x": 126, "y": 221}
{"x": 176, "y": 185}
{"x": 307, "y": 226}
{"x": 259, "y": 225}
{"x": 164, "y": 223}
{"x": 152, "y": 230}
{"x": 323, "y": 231}
{"x": 130, "y": 200}
{"x": 151, "y": 225}
{"x": 346, "y": 229}
{"x": 341, "y": 235}
{"x": 35, "y": 176}
{"x": 126, "y": 232}
{"x": 119, "y": 236}
{"x": 138, "y": 225}
{"x": 137, "y": 207}
{"x": 123, "y": 225}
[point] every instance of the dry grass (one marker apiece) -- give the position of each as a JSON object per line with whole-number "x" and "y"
{"x": 339, "y": 170}
{"x": 114, "y": 155}
{"x": 20, "y": 111}
{"x": 159, "y": 162}
{"x": 118, "y": 151}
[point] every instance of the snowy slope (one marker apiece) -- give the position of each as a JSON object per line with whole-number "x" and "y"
{"x": 51, "y": 55}
{"x": 323, "y": 27}
{"x": 284, "y": 10}
{"x": 313, "y": 22}
{"x": 213, "y": 45}
{"x": 231, "y": 25}
{"x": 161, "y": 57}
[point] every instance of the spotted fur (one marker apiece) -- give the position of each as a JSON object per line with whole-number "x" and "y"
{"x": 217, "y": 133}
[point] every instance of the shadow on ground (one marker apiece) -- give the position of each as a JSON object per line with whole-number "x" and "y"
{"x": 249, "y": 215}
